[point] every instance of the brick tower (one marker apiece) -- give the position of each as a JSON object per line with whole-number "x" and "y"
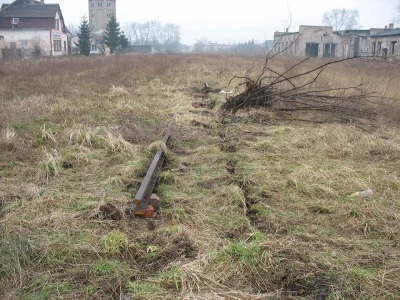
{"x": 100, "y": 11}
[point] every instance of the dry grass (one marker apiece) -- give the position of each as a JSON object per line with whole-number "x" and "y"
{"x": 252, "y": 207}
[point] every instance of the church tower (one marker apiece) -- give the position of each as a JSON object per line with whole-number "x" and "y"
{"x": 100, "y": 11}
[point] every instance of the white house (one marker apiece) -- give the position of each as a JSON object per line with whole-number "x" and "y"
{"x": 33, "y": 28}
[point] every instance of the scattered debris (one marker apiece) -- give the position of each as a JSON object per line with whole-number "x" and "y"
{"x": 199, "y": 124}
{"x": 144, "y": 197}
{"x": 155, "y": 202}
{"x": 206, "y": 104}
{"x": 109, "y": 211}
{"x": 294, "y": 90}
{"x": 225, "y": 92}
{"x": 231, "y": 168}
{"x": 363, "y": 194}
{"x": 207, "y": 89}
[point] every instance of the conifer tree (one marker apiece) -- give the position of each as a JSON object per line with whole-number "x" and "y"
{"x": 124, "y": 42}
{"x": 112, "y": 34}
{"x": 84, "y": 37}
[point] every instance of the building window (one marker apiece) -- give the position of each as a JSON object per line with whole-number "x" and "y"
{"x": 329, "y": 50}
{"x": 94, "y": 47}
{"x": 1, "y": 38}
{"x": 108, "y": 4}
{"x": 57, "y": 24}
{"x": 373, "y": 47}
{"x": 379, "y": 48}
{"x": 92, "y": 15}
{"x": 100, "y": 4}
{"x": 57, "y": 46}
{"x": 92, "y": 4}
{"x": 392, "y": 47}
{"x": 65, "y": 46}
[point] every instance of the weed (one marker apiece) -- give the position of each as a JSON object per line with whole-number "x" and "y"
{"x": 167, "y": 177}
{"x": 171, "y": 278}
{"x": 50, "y": 165}
{"x": 176, "y": 215}
{"x": 144, "y": 290}
{"x": 362, "y": 273}
{"x": 45, "y": 135}
{"x": 258, "y": 236}
{"x": 20, "y": 127}
{"x": 114, "y": 242}
{"x": 16, "y": 258}
{"x": 106, "y": 267}
{"x": 117, "y": 92}
{"x": 241, "y": 252}
{"x": 165, "y": 192}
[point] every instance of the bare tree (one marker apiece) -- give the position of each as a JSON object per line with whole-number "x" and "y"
{"x": 200, "y": 45}
{"x": 164, "y": 37}
{"x": 36, "y": 46}
{"x": 398, "y": 13}
{"x": 171, "y": 37}
{"x": 73, "y": 28}
{"x": 143, "y": 33}
{"x": 341, "y": 19}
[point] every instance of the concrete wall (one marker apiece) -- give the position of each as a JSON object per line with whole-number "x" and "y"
{"x": 385, "y": 44}
{"x": 285, "y": 40}
{"x": 297, "y": 42}
{"x": 59, "y": 35}
{"x": 320, "y": 35}
{"x": 26, "y": 38}
{"x": 347, "y": 43}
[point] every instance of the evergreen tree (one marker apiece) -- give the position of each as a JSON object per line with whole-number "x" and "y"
{"x": 112, "y": 34}
{"x": 84, "y": 37}
{"x": 124, "y": 42}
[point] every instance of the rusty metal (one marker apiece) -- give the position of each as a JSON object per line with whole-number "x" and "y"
{"x": 142, "y": 197}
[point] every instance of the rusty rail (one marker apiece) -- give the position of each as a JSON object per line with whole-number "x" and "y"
{"x": 142, "y": 197}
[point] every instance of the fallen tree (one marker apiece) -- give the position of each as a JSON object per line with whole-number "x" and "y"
{"x": 295, "y": 89}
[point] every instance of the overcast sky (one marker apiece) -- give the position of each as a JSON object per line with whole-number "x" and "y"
{"x": 234, "y": 21}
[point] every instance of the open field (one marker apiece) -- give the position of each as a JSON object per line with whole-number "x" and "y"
{"x": 254, "y": 207}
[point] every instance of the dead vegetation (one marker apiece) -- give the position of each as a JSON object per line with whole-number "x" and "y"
{"x": 253, "y": 206}
{"x": 296, "y": 89}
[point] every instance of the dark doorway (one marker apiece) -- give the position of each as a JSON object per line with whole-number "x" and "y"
{"x": 329, "y": 50}
{"x": 312, "y": 49}
{"x": 384, "y": 53}
{"x": 356, "y": 46}
{"x": 392, "y": 47}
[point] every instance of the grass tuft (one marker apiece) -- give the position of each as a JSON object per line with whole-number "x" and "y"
{"x": 115, "y": 242}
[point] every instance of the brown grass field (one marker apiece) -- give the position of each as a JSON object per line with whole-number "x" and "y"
{"x": 253, "y": 207}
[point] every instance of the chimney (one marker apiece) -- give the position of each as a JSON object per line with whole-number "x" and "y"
{"x": 31, "y": 2}
{"x": 391, "y": 26}
{"x": 385, "y": 27}
{"x": 287, "y": 29}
